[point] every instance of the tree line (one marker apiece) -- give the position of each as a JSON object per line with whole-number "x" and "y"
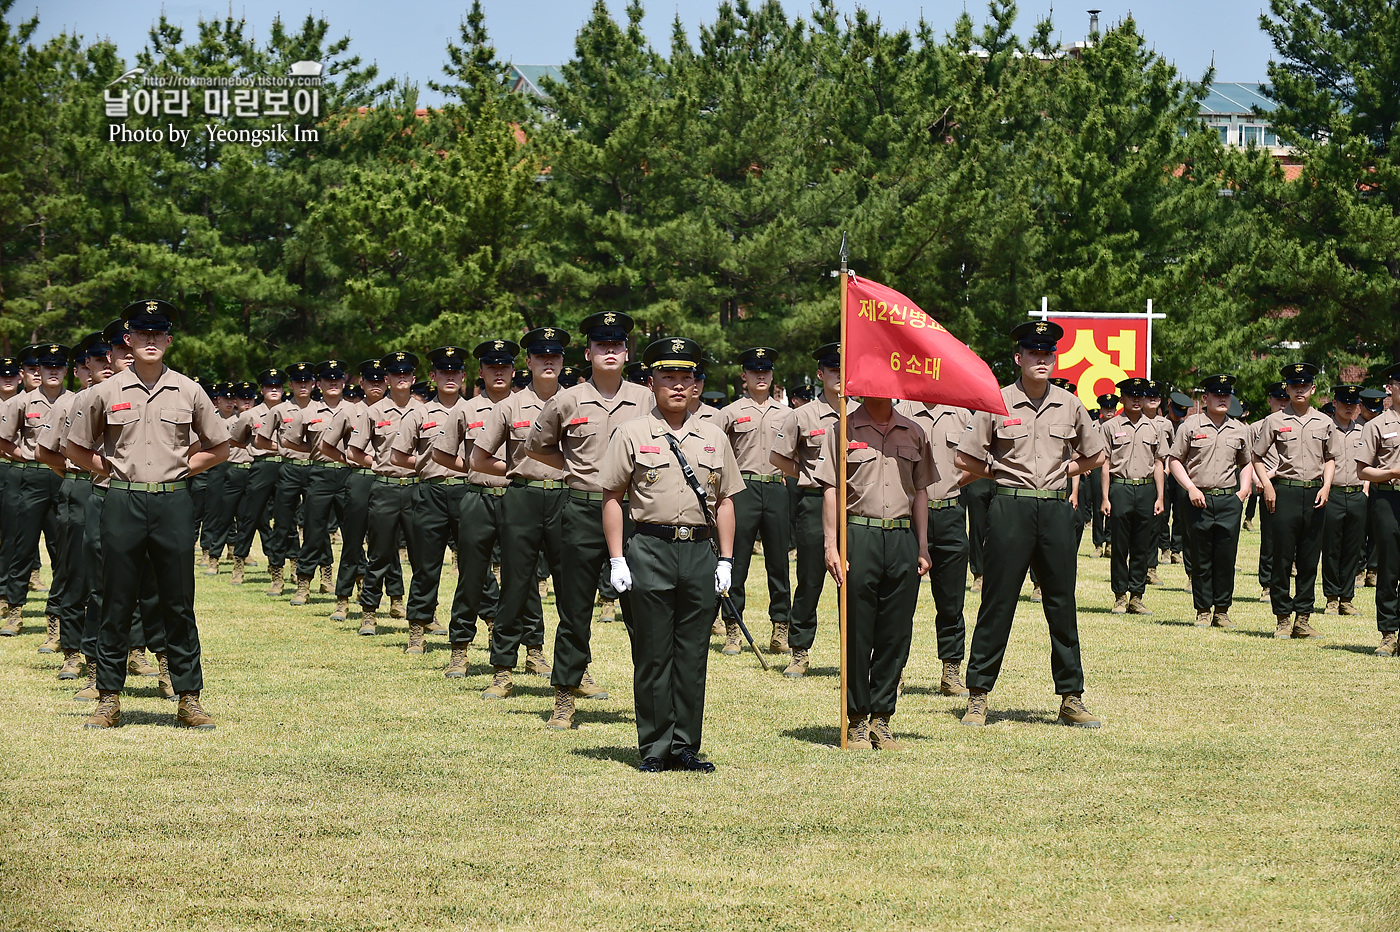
{"x": 704, "y": 188}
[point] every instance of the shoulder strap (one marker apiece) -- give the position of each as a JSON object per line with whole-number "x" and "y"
{"x": 694, "y": 484}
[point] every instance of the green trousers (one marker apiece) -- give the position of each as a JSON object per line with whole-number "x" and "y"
{"x": 762, "y": 508}
{"x": 1266, "y": 545}
{"x": 1100, "y": 523}
{"x": 531, "y": 522}
{"x": 882, "y": 591}
{"x": 325, "y": 497}
{"x": 390, "y": 514}
{"x": 1212, "y": 538}
{"x": 1133, "y": 529}
{"x": 219, "y": 526}
{"x": 976, "y": 497}
{"x": 477, "y": 594}
{"x": 1385, "y": 525}
{"x": 215, "y": 502}
{"x": 147, "y": 630}
{"x": 252, "y": 514}
{"x": 811, "y": 570}
{"x": 576, "y": 588}
{"x": 1025, "y": 534}
{"x": 72, "y": 609}
{"x": 155, "y": 528}
{"x": 437, "y": 511}
{"x": 199, "y": 493}
{"x": 37, "y": 498}
{"x": 291, "y": 490}
{"x": 673, "y": 606}
{"x": 1343, "y": 537}
{"x": 354, "y": 521}
{"x": 1297, "y": 530}
{"x": 947, "y": 551}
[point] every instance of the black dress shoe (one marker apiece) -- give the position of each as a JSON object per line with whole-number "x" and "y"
{"x": 687, "y": 759}
{"x": 652, "y": 765}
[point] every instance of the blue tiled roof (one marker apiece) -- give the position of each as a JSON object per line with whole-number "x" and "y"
{"x": 1228, "y": 97}
{"x": 531, "y": 75}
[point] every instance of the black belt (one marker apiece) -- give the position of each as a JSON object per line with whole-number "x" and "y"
{"x": 1300, "y": 483}
{"x": 1123, "y": 480}
{"x": 1346, "y": 488}
{"x": 674, "y": 531}
{"x": 1032, "y": 493}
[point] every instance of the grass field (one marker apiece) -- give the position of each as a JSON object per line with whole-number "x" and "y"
{"x": 1237, "y": 783}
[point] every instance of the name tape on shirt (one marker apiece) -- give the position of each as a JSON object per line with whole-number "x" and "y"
{"x": 1009, "y": 422}
{"x": 646, "y": 449}
{"x": 743, "y": 420}
{"x": 857, "y": 445}
{"x": 1198, "y": 436}
{"x": 1119, "y": 433}
{"x": 429, "y": 424}
{"x": 709, "y": 449}
{"x": 578, "y": 420}
{"x": 520, "y": 424}
{"x": 1285, "y": 430}
{"x": 475, "y": 424}
{"x": 819, "y": 432}
{"x": 41, "y": 414}
{"x": 383, "y": 423}
{"x": 315, "y": 420}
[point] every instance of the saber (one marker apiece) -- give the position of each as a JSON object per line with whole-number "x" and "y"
{"x": 728, "y": 603}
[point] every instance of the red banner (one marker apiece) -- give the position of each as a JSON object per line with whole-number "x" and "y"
{"x": 1099, "y": 352}
{"x": 894, "y": 350}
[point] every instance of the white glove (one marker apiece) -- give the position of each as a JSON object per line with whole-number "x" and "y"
{"x": 724, "y": 570}
{"x": 621, "y": 575}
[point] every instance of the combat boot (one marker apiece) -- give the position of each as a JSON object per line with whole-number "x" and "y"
{"x": 303, "y": 593}
{"x": 544, "y": 588}
{"x": 274, "y": 588}
{"x": 14, "y": 625}
{"x": 1360, "y": 581}
{"x": 50, "y": 644}
{"x": 977, "y": 583}
{"x": 35, "y": 583}
{"x": 858, "y": 735}
{"x": 976, "y": 714}
{"x": 89, "y": 691}
{"x": 327, "y": 587}
{"x": 797, "y": 666}
{"x": 1135, "y": 606}
{"x": 1332, "y": 607}
{"x": 212, "y": 564}
{"x": 108, "y": 713}
{"x": 236, "y": 579}
{"x": 1348, "y": 608}
{"x": 433, "y": 626}
{"x": 1264, "y": 594}
{"x": 167, "y": 689}
{"x": 500, "y": 686}
{"x": 1074, "y": 714}
{"x": 717, "y": 629}
{"x": 1370, "y": 579}
{"x": 587, "y": 688}
{"x": 396, "y": 608}
{"x": 415, "y": 638}
{"x": 342, "y": 610}
{"x": 1035, "y": 594}
{"x": 1098, "y": 551}
{"x": 367, "y": 622}
{"x": 1283, "y": 627}
{"x": 1203, "y": 619}
{"x": 191, "y": 714}
{"x": 1177, "y": 557}
{"x": 137, "y": 664}
{"x": 778, "y": 644}
{"x": 951, "y": 683}
{"x": 457, "y": 665}
{"x": 1120, "y": 603}
{"x": 731, "y": 639}
{"x": 563, "y": 717}
{"x": 72, "y": 665}
{"x": 1388, "y": 642}
{"x": 608, "y": 613}
{"x": 535, "y": 661}
{"x": 1301, "y": 628}
{"x": 1221, "y": 618}
{"x": 490, "y": 624}
{"x": 1152, "y": 578}
{"x": 880, "y": 735}
{"x": 1108, "y": 550}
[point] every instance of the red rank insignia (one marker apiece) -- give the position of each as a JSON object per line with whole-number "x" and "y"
{"x": 646, "y": 449}
{"x": 857, "y": 445}
{"x": 1011, "y": 422}
{"x": 578, "y": 420}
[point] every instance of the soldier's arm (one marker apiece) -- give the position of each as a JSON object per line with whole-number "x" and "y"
{"x": 205, "y": 459}
{"x": 543, "y": 442}
{"x": 51, "y": 459}
{"x": 493, "y": 437}
{"x": 332, "y": 452}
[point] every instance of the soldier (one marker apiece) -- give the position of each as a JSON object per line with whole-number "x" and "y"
{"x": 1102, "y": 539}
{"x": 532, "y": 507}
{"x": 1032, "y": 454}
{"x": 571, "y": 433}
{"x": 137, "y": 428}
{"x": 1278, "y": 400}
{"x": 262, "y": 479}
{"x": 1152, "y": 408}
{"x": 219, "y": 528}
{"x": 1204, "y": 456}
{"x": 797, "y": 450}
{"x": 1296, "y": 497}
{"x": 669, "y": 565}
{"x": 752, "y": 425}
{"x": 1344, "y": 521}
{"x": 1378, "y": 462}
{"x": 210, "y": 504}
{"x": 10, "y": 378}
{"x": 1372, "y": 404}
{"x": 636, "y": 373}
{"x": 295, "y": 474}
{"x": 326, "y": 476}
{"x": 1131, "y": 494}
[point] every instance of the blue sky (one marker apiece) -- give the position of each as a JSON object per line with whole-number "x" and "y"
{"x": 409, "y": 39}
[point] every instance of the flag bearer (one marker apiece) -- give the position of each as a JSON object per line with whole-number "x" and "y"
{"x": 1131, "y": 495}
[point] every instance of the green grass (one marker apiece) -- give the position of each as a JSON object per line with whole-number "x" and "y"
{"x": 1238, "y": 783}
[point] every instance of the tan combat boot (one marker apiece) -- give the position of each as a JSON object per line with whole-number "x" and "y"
{"x": 35, "y": 583}
{"x": 1221, "y": 618}
{"x": 1370, "y": 579}
{"x": 50, "y": 644}
{"x": 275, "y": 587}
{"x": 858, "y": 735}
{"x": 1177, "y": 557}
{"x": 137, "y": 664}
{"x": 191, "y": 714}
{"x": 1035, "y": 594}
{"x": 1283, "y": 627}
{"x": 433, "y": 626}
{"x": 976, "y": 714}
{"x": 1264, "y": 594}
{"x": 563, "y": 717}
{"x": 1332, "y": 607}
{"x": 1203, "y": 619}
{"x": 89, "y": 691}
{"x": 108, "y": 713}
{"x": 797, "y": 666}
{"x": 367, "y": 622}
{"x": 1360, "y": 581}
{"x": 1388, "y": 642}
{"x": 587, "y": 688}
{"x": 731, "y": 639}
{"x": 976, "y": 583}
{"x": 457, "y": 665}
{"x": 415, "y": 638}
{"x": 880, "y": 735}
{"x": 1074, "y": 714}
{"x": 535, "y": 661}
{"x": 500, "y": 686}
{"x": 327, "y": 587}
{"x": 1120, "y": 603}
{"x": 608, "y": 613}
{"x": 303, "y": 594}
{"x": 72, "y": 665}
{"x": 1108, "y": 550}
{"x": 717, "y": 629}
{"x": 490, "y": 624}
{"x": 1098, "y": 551}
{"x": 1135, "y": 606}
{"x": 951, "y": 683}
{"x": 236, "y": 579}
{"x": 1301, "y": 628}
{"x": 1152, "y": 578}
{"x": 167, "y": 688}
{"x": 1348, "y": 608}
{"x": 211, "y": 567}
{"x": 14, "y": 625}
{"x": 778, "y": 643}
{"x": 396, "y": 609}
{"x": 544, "y": 588}
{"x": 342, "y": 610}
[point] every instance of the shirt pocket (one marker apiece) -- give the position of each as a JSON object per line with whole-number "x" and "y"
{"x": 1068, "y": 434}
{"x": 583, "y": 428}
{"x": 175, "y": 426}
{"x": 651, "y": 469}
{"x": 907, "y": 459}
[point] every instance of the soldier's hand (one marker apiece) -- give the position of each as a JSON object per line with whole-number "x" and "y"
{"x": 1105, "y": 509}
{"x": 621, "y": 575}
{"x": 1197, "y": 497}
{"x": 1157, "y": 507}
{"x": 833, "y": 565}
{"x": 1321, "y": 499}
{"x": 724, "y": 571}
{"x": 1270, "y": 498}
{"x": 925, "y": 564}
{"x": 1242, "y": 495}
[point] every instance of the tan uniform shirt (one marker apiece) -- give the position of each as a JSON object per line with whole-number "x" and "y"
{"x": 459, "y": 436}
{"x": 145, "y": 434}
{"x": 752, "y": 429}
{"x": 639, "y": 461}
{"x": 883, "y": 470}
{"x": 373, "y": 432}
{"x": 9, "y": 426}
{"x": 24, "y": 419}
{"x": 1270, "y": 458}
{"x": 509, "y": 424}
{"x": 1209, "y": 454}
{"x": 236, "y": 454}
{"x": 309, "y": 424}
{"x": 276, "y": 421}
{"x": 1031, "y": 448}
{"x": 704, "y": 412}
{"x": 802, "y": 437}
{"x": 1303, "y": 444}
{"x": 244, "y": 429}
{"x": 1133, "y": 448}
{"x": 578, "y": 421}
{"x": 1346, "y": 440}
{"x": 53, "y": 429}
{"x": 79, "y": 400}
{"x": 1379, "y": 445}
{"x": 420, "y": 429}
{"x": 944, "y": 425}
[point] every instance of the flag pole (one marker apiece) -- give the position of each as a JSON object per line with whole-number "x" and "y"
{"x": 841, "y": 492}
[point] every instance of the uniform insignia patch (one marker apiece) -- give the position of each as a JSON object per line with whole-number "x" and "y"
{"x": 578, "y": 420}
{"x": 519, "y": 423}
{"x": 1009, "y": 422}
{"x": 857, "y": 445}
{"x": 475, "y": 424}
{"x": 429, "y": 424}
{"x": 819, "y": 432}
{"x": 652, "y": 475}
{"x": 743, "y": 420}
{"x": 709, "y": 449}
{"x": 646, "y": 449}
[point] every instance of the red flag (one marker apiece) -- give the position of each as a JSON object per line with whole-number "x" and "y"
{"x": 894, "y": 350}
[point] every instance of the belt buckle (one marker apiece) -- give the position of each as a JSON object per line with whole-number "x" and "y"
{"x": 886, "y": 524}
{"x": 683, "y": 532}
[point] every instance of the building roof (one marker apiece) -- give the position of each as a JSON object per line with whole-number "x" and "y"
{"x": 1229, "y": 97}
{"x": 525, "y": 79}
